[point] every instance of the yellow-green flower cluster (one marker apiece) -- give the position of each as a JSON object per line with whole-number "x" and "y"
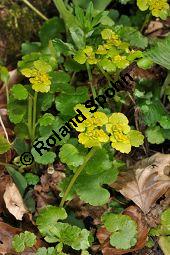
{"x": 111, "y": 55}
{"x": 39, "y": 77}
{"x": 159, "y": 8}
{"x": 98, "y": 129}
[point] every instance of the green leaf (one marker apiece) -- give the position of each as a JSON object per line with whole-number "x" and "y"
{"x": 16, "y": 110}
{"x": 45, "y": 101}
{"x": 145, "y": 63}
{"x": 62, "y": 47}
{"x": 51, "y": 29}
{"x": 99, "y": 163}
{"x": 4, "y": 74}
{"x": 45, "y": 251}
{"x": 133, "y": 36}
{"x": 46, "y": 119}
{"x": 48, "y": 217}
{"x": 4, "y": 145}
{"x": 152, "y": 112}
{"x": 80, "y": 57}
{"x": 165, "y": 222}
{"x": 29, "y": 200}
{"x": 90, "y": 187}
{"x": 165, "y": 122}
{"x": 48, "y": 157}
{"x": 32, "y": 179}
{"x": 66, "y": 102}
{"x": 160, "y": 54}
{"x": 155, "y": 135}
{"x": 19, "y": 92}
{"x": 18, "y": 178}
{"x": 70, "y": 155}
{"x": 29, "y": 47}
{"x": 22, "y": 241}
{"x": 123, "y": 229}
{"x": 78, "y": 239}
{"x": 77, "y": 35}
{"x": 20, "y": 146}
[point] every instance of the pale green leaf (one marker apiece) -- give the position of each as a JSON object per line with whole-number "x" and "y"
{"x": 22, "y": 241}
{"x": 123, "y": 229}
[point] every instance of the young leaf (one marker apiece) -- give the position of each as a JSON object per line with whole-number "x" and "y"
{"x": 46, "y": 119}
{"x": 77, "y": 238}
{"x": 48, "y": 217}
{"x": 45, "y": 251}
{"x": 22, "y": 241}
{"x": 70, "y": 155}
{"x": 31, "y": 179}
{"x": 123, "y": 229}
{"x": 19, "y": 92}
{"x": 4, "y": 145}
{"x": 155, "y": 135}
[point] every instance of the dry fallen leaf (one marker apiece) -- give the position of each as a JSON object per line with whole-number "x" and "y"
{"x": 145, "y": 182}
{"x": 136, "y": 214}
{"x": 14, "y": 202}
{"x": 6, "y": 234}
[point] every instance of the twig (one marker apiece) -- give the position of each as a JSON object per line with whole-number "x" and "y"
{"x": 5, "y": 131}
{"x": 35, "y": 9}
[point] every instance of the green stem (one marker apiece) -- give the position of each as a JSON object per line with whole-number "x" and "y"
{"x": 91, "y": 80}
{"x": 30, "y": 106}
{"x": 35, "y": 9}
{"x": 34, "y": 115}
{"x": 76, "y": 175}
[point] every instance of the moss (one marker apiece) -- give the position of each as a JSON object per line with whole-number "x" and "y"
{"x": 18, "y": 24}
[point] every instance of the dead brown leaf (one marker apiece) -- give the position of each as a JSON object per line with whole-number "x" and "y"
{"x": 145, "y": 182}
{"x": 6, "y": 234}
{"x": 4, "y": 181}
{"x": 136, "y": 214}
{"x": 14, "y": 202}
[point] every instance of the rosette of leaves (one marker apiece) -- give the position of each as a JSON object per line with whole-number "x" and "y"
{"x": 54, "y": 231}
{"x": 123, "y": 230}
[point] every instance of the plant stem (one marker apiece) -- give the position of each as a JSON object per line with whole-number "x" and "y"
{"x": 4, "y": 128}
{"x": 30, "y": 105}
{"x": 76, "y": 175}
{"x": 91, "y": 80}
{"x": 34, "y": 115}
{"x": 35, "y": 9}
